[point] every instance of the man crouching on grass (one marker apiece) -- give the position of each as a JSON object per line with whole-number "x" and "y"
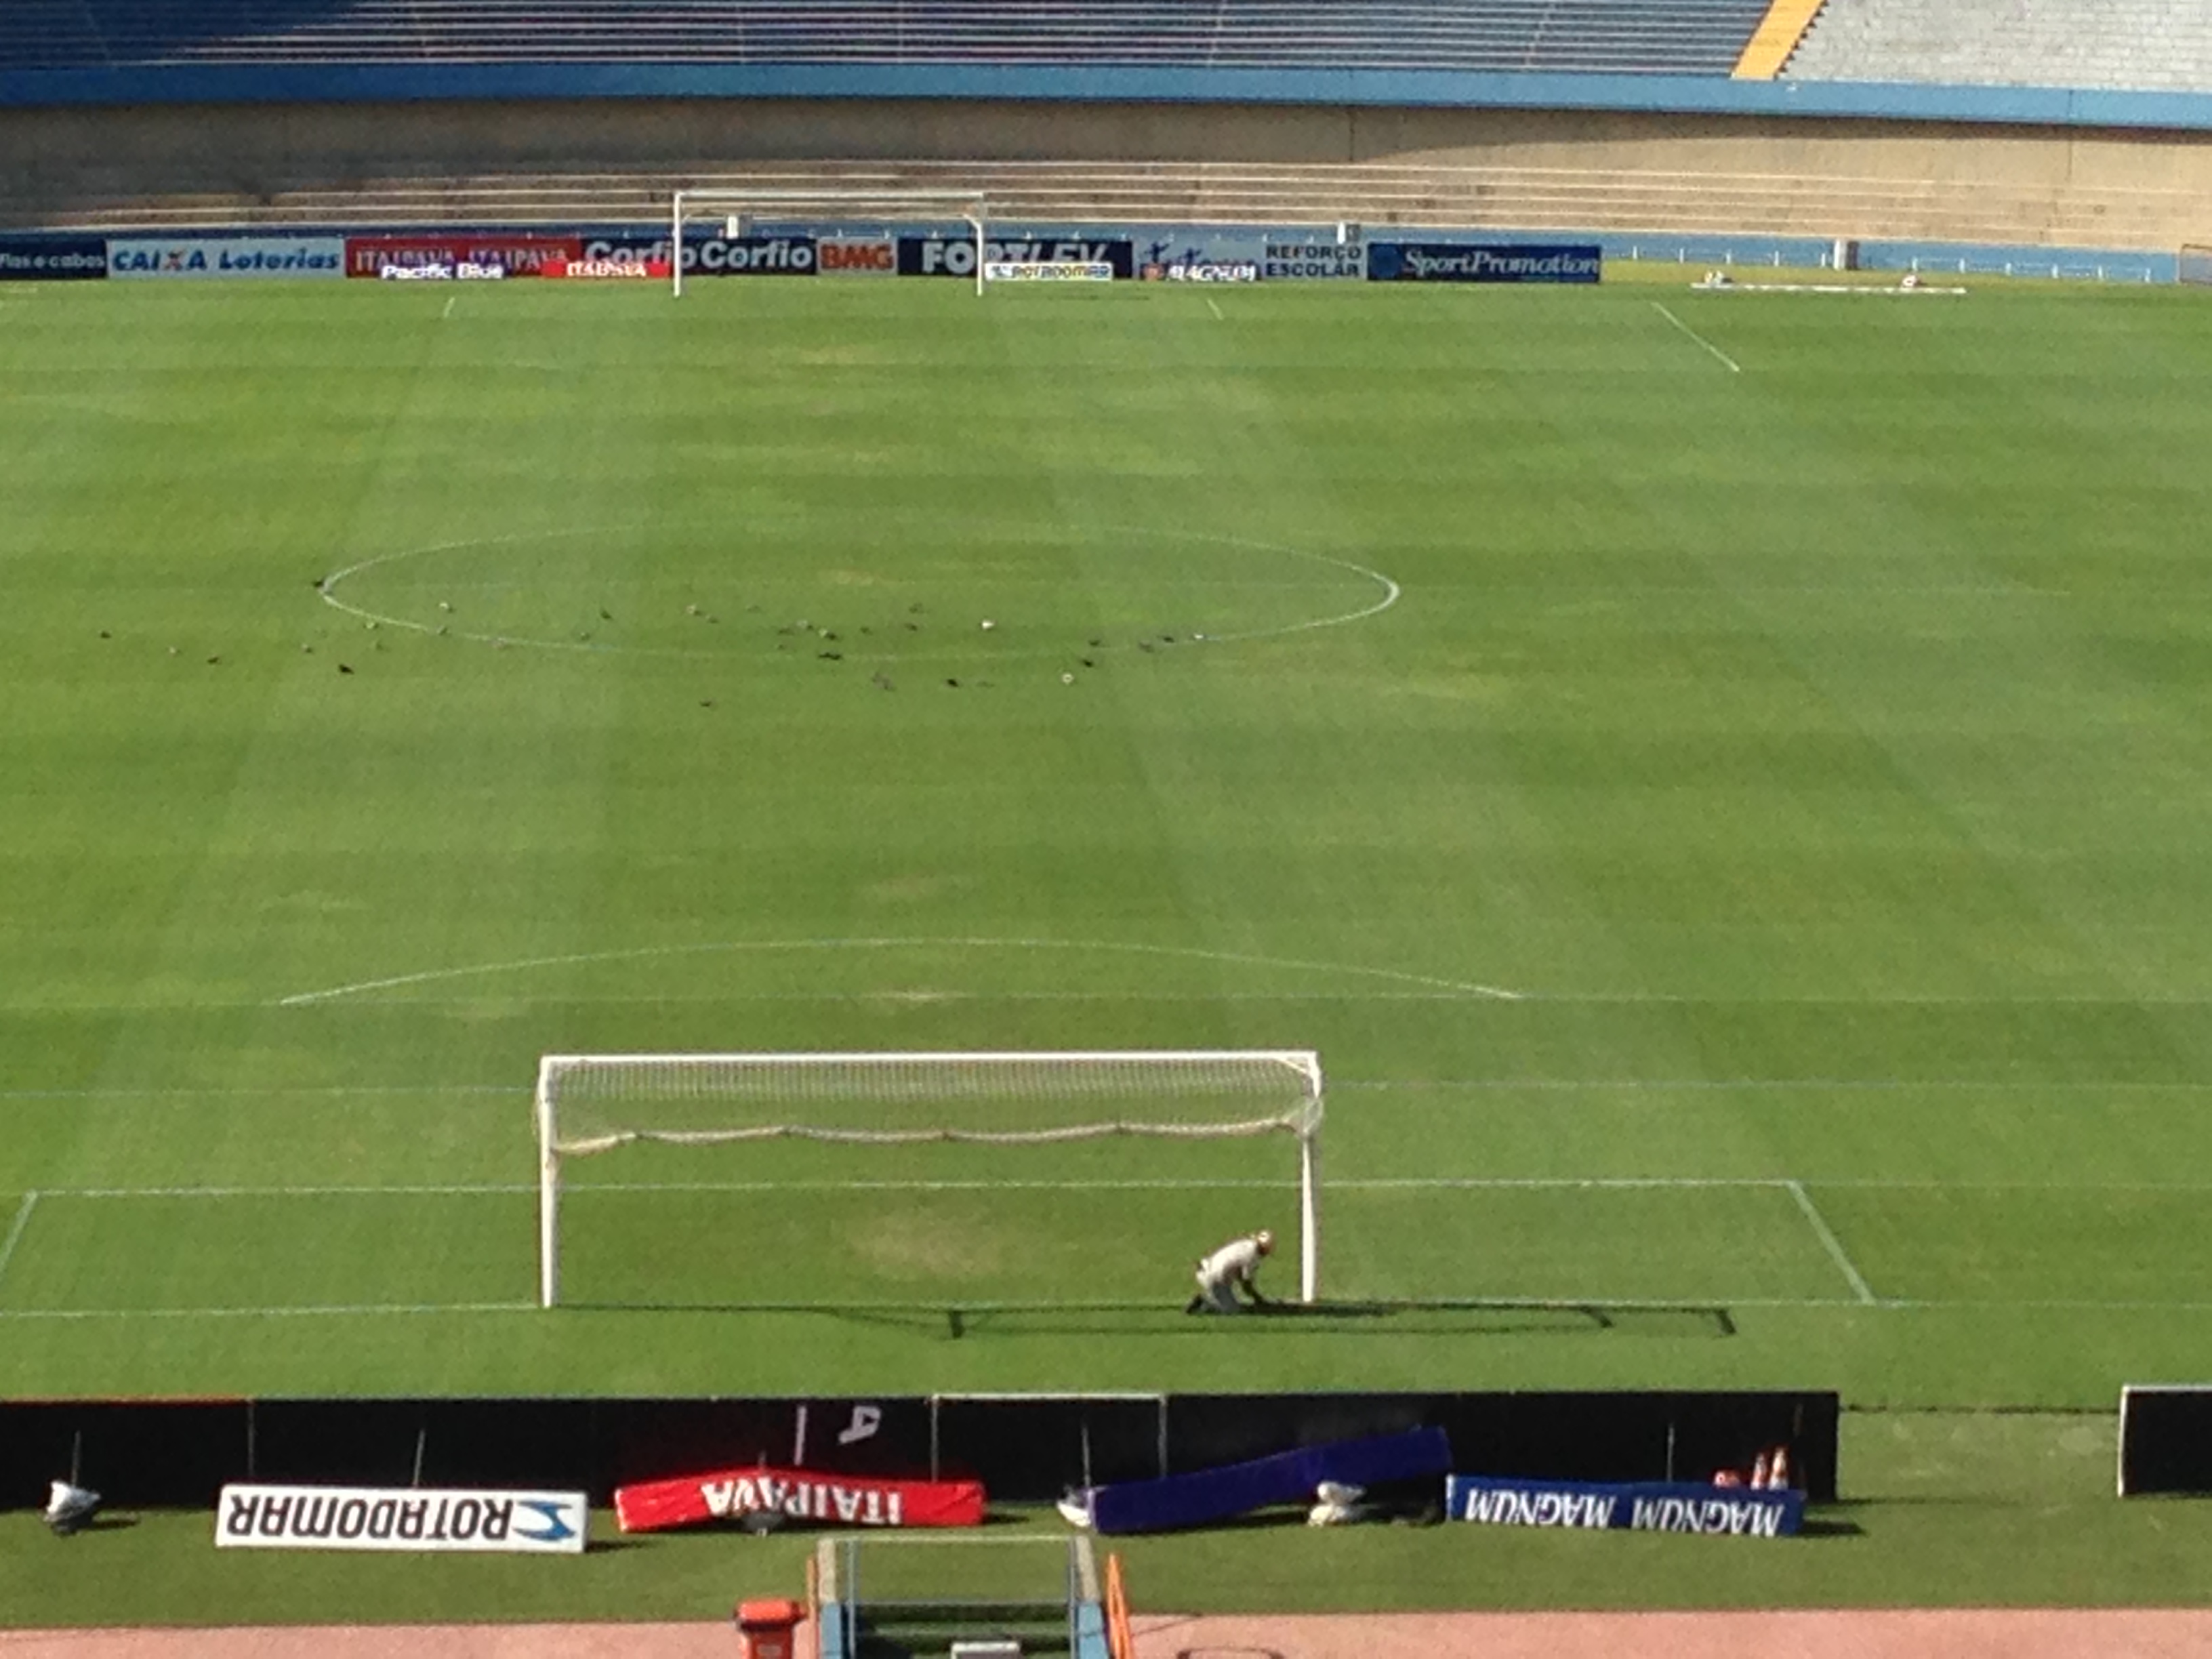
{"x": 1233, "y": 1267}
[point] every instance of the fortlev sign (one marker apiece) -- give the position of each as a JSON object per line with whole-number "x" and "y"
{"x": 249, "y": 1517}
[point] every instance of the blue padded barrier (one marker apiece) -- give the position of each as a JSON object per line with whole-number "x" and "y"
{"x": 1192, "y": 1500}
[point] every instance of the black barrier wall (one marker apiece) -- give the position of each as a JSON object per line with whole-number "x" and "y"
{"x": 1022, "y": 1447}
{"x": 2165, "y": 1440}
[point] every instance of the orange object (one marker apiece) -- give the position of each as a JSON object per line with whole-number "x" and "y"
{"x": 1121, "y": 1640}
{"x": 767, "y": 1629}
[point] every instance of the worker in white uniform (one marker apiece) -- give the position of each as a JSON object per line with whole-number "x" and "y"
{"x": 1230, "y": 1269}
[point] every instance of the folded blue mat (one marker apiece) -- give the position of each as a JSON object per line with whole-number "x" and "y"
{"x": 1192, "y": 1500}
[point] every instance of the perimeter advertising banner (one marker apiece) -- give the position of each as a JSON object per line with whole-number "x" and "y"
{"x": 52, "y": 258}
{"x": 1632, "y": 1506}
{"x": 519, "y": 254}
{"x": 713, "y": 255}
{"x": 797, "y": 1495}
{"x": 441, "y": 1521}
{"x": 954, "y": 256}
{"x": 198, "y": 258}
{"x": 1483, "y": 262}
{"x": 857, "y": 256}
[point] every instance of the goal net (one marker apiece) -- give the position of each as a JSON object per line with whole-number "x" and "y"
{"x": 591, "y": 1104}
{"x": 2195, "y": 265}
{"x": 737, "y": 214}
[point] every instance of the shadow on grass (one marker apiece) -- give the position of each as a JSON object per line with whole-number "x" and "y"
{"x": 957, "y": 1322}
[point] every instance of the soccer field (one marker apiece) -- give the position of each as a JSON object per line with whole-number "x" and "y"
{"x": 1723, "y": 781}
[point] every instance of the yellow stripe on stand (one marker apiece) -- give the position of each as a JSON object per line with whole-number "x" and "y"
{"x": 1776, "y": 37}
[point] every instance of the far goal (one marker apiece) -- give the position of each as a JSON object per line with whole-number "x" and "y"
{"x": 592, "y": 1104}
{"x": 737, "y": 213}
{"x": 2194, "y": 263}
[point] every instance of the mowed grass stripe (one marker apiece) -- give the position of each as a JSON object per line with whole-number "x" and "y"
{"x": 164, "y": 1254}
{"x": 677, "y": 1246}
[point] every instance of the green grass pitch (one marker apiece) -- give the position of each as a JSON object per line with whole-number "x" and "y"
{"x": 1735, "y": 838}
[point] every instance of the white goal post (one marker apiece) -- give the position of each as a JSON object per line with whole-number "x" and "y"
{"x": 592, "y": 1103}
{"x": 887, "y": 206}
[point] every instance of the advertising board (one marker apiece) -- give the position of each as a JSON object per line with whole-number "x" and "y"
{"x": 450, "y": 1519}
{"x": 605, "y": 270}
{"x": 1483, "y": 262}
{"x": 805, "y": 1495}
{"x": 713, "y": 255}
{"x": 1628, "y": 1506}
{"x": 1203, "y": 256}
{"x": 1311, "y": 259}
{"x": 953, "y": 256}
{"x": 519, "y": 254}
{"x": 192, "y": 257}
{"x": 52, "y": 258}
{"x": 1047, "y": 271}
{"x": 856, "y": 256}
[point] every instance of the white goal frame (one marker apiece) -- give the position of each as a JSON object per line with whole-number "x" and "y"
{"x": 889, "y": 206}
{"x": 1303, "y": 1063}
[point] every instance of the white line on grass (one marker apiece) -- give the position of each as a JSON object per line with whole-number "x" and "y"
{"x": 643, "y": 953}
{"x": 1679, "y": 1304}
{"x": 1192, "y": 1184}
{"x": 1733, "y": 367}
{"x": 364, "y": 1309}
{"x": 448, "y": 311}
{"x": 1215, "y": 309}
{"x": 15, "y": 1232}
{"x": 327, "y": 587}
{"x": 1829, "y": 1242}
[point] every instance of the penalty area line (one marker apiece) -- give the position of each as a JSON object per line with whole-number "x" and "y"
{"x": 1730, "y": 363}
{"x": 311, "y": 1310}
{"x": 1831, "y": 1243}
{"x": 15, "y": 1230}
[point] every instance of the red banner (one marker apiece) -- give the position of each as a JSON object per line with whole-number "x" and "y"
{"x": 606, "y": 270}
{"x": 519, "y": 255}
{"x": 839, "y": 1500}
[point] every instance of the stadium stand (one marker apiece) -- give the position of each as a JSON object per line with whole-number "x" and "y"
{"x": 2141, "y": 46}
{"x": 1676, "y": 37}
{"x": 1663, "y": 203}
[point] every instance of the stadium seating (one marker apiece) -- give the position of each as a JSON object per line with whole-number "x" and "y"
{"x": 1665, "y": 204}
{"x": 2147, "y": 45}
{"x": 1683, "y": 37}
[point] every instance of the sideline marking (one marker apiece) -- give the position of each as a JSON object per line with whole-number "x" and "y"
{"x": 304, "y": 1310}
{"x": 1833, "y": 1245}
{"x": 1139, "y": 1183}
{"x": 16, "y": 1233}
{"x": 1841, "y": 1304}
{"x": 1215, "y": 309}
{"x": 1733, "y": 367}
{"x": 1459, "y": 988}
{"x": 327, "y": 591}
{"x": 448, "y": 311}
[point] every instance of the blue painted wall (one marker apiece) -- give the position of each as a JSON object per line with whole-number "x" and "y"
{"x": 197, "y": 83}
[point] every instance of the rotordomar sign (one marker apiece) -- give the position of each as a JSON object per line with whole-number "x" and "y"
{"x": 252, "y": 1516}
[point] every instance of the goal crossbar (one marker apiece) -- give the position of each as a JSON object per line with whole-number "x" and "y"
{"x": 988, "y": 1098}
